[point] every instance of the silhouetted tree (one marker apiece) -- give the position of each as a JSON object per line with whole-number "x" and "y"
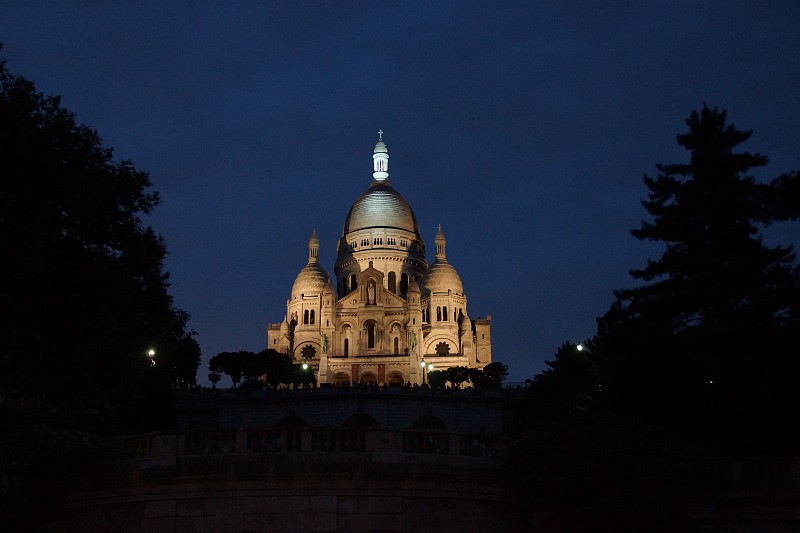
{"x": 276, "y": 367}
{"x": 457, "y": 375}
{"x": 491, "y": 377}
{"x": 571, "y": 382}
{"x": 437, "y": 378}
{"x": 84, "y": 291}
{"x": 186, "y": 360}
{"x": 234, "y": 364}
{"x": 703, "y": 346}
{"x": 495, "y": 374}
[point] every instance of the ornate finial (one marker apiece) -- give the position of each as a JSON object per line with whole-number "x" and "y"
{"x": 380, "y": 135}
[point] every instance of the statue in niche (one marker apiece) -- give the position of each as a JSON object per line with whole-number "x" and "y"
{"x": 324, "y": 343}
{"x": 371, "y": 293}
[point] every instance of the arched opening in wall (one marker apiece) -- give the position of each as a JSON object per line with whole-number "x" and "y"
{"x": 428, "y": 422}
{"x": 305, "y": 316}
{"x": 368, "y": 378}
{"x": 346, "y": 347}
{"x": 341, "y": 379}
{"x": 353, "y": 282}
{"x": 396, "y": 346}
{"x": 438, "y": 314}
{"x": 395, "y": 378}
{"x": 311, "y": 318}
{"x": 404, "y": 284}
{"x": 292, "y": 422}
{"x": 392, "y": 282}
{"x": 371, "y": 335}
{"x": 444, "y": 313}
{"x": 360, "y": 420}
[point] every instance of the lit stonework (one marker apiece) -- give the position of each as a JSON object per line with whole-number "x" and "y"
{"x": 388, "y": 309}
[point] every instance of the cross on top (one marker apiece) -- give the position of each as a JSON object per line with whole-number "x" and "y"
{"x": 380, "y": 135}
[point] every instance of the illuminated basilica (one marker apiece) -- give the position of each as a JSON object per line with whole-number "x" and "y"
{"x": 386, "y": 316}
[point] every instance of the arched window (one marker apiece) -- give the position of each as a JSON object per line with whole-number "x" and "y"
{"x": 312, "y": 317}
{"x": 396, "y": 346}
{"x": 305, "y": 316}
{"x": 438, "y": 314}
{"x": 444, "y": 313}
{"x": 370, "y": 336}
{"x": 403, "y": 284}
{"x": 392, "y": 282}
{"x": 353, "y": 282}
{"x": 346, "y": 347}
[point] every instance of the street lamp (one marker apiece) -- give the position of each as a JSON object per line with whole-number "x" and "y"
{"x": 151, "y": 353}
{"x": 423, "y": 365}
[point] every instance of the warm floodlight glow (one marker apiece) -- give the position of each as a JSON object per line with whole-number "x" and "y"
{"x": 422, "y": 364}
{"x": 305, "y": 366}
{"x": 580, "y": 347}
{"x": 430, "y": 367}
{"x": 151, "y": 353}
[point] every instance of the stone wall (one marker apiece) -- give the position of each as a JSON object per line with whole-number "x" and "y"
{"x": 153, "y": 484}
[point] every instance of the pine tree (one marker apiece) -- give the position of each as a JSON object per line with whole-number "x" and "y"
{"x": 703, "y": 345}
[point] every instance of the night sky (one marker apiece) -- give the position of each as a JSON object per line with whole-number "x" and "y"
{"x": 524, "y": 130}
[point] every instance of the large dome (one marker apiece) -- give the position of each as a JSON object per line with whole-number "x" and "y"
{"x": 380, "y": 207}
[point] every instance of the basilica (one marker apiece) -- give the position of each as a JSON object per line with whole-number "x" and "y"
{"x": 386, "y": 316}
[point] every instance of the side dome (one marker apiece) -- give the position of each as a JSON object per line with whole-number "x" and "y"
{"x": 380, "y": 207}
{"x": 312, "y": 279}
{"x": 441, "y": 276}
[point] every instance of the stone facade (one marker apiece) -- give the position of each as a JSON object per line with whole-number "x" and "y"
{"x": 389, "y": 311}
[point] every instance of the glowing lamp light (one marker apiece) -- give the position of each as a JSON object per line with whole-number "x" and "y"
{"x": 305, "y": 366}
{"x": 580, "y": 347}
{"x": 151, "y": 353}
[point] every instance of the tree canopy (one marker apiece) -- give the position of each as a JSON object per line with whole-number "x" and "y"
{"x": 84, "y": 290}
{"x": 275, "y": 368}
{"x": 703, "y": 345}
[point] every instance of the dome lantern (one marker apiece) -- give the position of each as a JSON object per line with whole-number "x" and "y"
{"x": 313, "y": 247}
{"x": 380, "y": 160}
{"x": 440, "y": 242}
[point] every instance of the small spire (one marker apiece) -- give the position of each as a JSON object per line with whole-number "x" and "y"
{"x": 380, "y": 160}
{"x": 440, "y": 243}
{"x": 313, "y": 247}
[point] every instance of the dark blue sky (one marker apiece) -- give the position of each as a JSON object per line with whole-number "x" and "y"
{"x": 524, "y": 129}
